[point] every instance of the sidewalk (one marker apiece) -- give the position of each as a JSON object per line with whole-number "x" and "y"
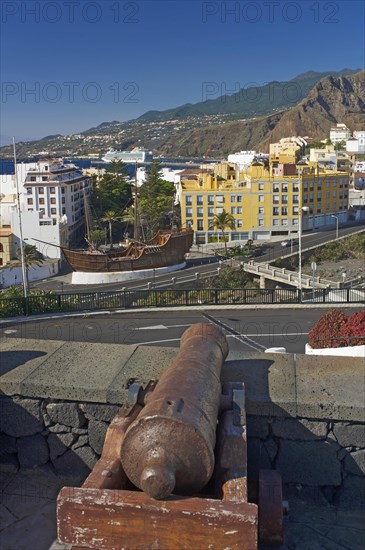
{"x": 28, "y": 517}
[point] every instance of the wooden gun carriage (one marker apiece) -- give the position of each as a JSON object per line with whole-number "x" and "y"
{"x": 173, "y": 470}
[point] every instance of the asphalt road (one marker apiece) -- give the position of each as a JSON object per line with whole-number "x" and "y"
{"x": 202, "y": 263}
{"x": 247, "y": 330}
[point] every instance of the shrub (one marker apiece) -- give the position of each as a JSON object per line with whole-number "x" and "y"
{"x": 326, "y": 333}
{"x": 355, "y": 327}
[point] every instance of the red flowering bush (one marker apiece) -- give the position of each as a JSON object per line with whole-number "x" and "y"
{"x": 326, "y": 333}
{"x": 354, "y": 327}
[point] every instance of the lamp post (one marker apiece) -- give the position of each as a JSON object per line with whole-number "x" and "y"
{"x": 336, "y": 217}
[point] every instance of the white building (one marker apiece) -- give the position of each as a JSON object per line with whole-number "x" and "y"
{"x": 242, "y": 158}
{"x": 52, "y": 204}
{"x": 340, "y": 132}
{"x": 326, "y": 156}
{"x": 357, "y": 143}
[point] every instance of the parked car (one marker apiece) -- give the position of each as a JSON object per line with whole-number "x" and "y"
{"x": 289, "y": 242}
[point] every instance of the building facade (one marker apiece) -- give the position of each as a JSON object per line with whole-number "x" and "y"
{"x": 340, "y": 132}
{"x": 265, "y": 200}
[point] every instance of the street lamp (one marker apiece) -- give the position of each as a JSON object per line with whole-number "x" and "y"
{"x": 333, "y": 216}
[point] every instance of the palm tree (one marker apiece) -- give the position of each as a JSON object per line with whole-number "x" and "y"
{"x": 221, "y": 221}
{"x": 110, "y": 217}
{"x": 32, "y": 257}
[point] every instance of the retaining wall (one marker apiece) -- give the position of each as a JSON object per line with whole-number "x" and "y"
{"x": 305, "y": 414}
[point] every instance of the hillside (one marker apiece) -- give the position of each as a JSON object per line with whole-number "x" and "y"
{"x": 333, "y": 99}
{"x": 250, "y": 101}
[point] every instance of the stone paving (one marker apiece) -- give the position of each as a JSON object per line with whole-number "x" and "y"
{"x": 28, "y": 517}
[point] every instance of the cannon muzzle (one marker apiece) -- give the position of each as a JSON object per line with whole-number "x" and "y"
{"x": 170, "y": 446}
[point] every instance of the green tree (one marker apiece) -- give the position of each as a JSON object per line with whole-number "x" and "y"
{"x": 340, "y": 146}
{"x": 110, "y": 217}
{"x": 221, "y": 222}
{"x": 155, "y": 199}
{"x": 113, "y": 191}
{"x": 32, "y": 257}
{"x": 96, "y": 237}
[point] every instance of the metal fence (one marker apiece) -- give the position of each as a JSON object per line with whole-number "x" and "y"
{"x": 128, "y": 299}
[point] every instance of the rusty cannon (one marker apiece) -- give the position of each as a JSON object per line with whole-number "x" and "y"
{"x": 173, "y": 471}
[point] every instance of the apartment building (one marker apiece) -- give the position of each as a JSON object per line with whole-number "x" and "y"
{"x": 287, "y": 150}
{"x": 52, "y": 204}
{"x": 265, "y": 200}
{"x": 340, "y": 132}
{"x": 357, "y": 143}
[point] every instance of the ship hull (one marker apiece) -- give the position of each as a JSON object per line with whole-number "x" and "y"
{"x": 88, "y": 278}
{"x": 164, "y": 250}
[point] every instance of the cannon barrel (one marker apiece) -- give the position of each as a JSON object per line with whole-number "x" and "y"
{"x": 170, "y": 446}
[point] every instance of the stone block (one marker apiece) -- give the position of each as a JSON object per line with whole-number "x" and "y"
{"x": 349, "y": 435}
{"x": 68, "y": 414}
{"x": 32, "y": 451}
{"x": 257, "y": 426}
{"x": 354, "y": 463}
{"x": 7, "y": 444}
{"x": 81, "y": 442}
{"x": 309, "y": 462}
{"x": 59, "y": 444}
{"x": 95, "y": 411}
{"x": 59, "y": 428}
{"x": 80, "y": 431}
{"x": 352, "y": 493}
{"x": 20, "y": 417}
{"x": 97, "y": 431}
{"x": 299, "y": 429}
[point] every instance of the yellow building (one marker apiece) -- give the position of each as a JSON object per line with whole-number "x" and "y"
{"x": 7, "y": 251}
{"x": 265, "y": 200}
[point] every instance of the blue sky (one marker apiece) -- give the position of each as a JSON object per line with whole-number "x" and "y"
{"x": 68, "y": 65}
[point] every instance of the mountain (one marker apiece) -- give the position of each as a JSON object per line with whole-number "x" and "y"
{"x": 251, "y": 101}
{"x": 332, "y": 100}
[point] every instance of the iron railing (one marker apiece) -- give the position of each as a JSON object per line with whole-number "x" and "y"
{"x": 128, "y": 299}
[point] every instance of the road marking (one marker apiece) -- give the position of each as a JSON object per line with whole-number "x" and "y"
{"x": 10, "y": 331}
{"x": 157, "y": 342}
{"x": 160, "y": 327}
{"x": 243, "y": 339}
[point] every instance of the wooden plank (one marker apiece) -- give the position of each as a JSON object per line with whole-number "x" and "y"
{"x": 130, "y": 520}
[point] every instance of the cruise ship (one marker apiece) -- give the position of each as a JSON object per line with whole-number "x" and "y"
{"x": 138, "y": 154}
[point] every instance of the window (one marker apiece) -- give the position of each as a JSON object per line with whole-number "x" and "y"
{"x": 41, "y": 201}
{"x": 261, "y": 186}
{"x": 284, "y": 199}
{"x": 275, "y": 222}
{"x": 276, "y": 199}
{"x": 233, "y": 198}
{"x": 276, "y": 188}
{"x": 239, "y": 209}
{"x": 261, "y": 210}
{"x": 275, "y": 211}
{"x": 295, "y": 199}
{"x": 53, "y": 211}
{"x": 199, "y": 199}
{"x": 261, "y": 198}
{"x": 30, "y": 201}
{"x": 284, "y": 211}
{"x": 295, "y": 221}
{"x": 33, "y": 178}
{"x": 44, "y": 178}
{"x": 233, "y": 210}
{"x": 284, "y": 187}
{"x": 220, "y": 199}
{"x": 284, "y": 221}
{"x": 41, "y": 190}
{"x": 189, "y": 200}
{"x": 261, "y": 222}
{"x": 328, "y": 194}
{"x": 62, "y": 190}
{"x": 200, "y": 225}
{"x": 189, "y": 212}
{"x": 238, "y": 223}
{"x": 53, "y": 200}
{"x": 52, "y": 190}
{"x": 63, "y": 200}
{"x": 29, "y": 190}
{"x": 239, "y": 198}
{"x": 210, "y": 199}
{"x": 210, "y": 211}
{"x": 30, "y": 209}
{"x": 199, "y": 212}
{"x": 295, "y": 210}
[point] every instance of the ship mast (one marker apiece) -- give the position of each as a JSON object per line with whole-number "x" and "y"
{"x": 135, "y": 233}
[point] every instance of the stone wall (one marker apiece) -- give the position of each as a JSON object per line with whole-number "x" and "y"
{"x": 67, "y": 436}
{"x": 305, "y": 414}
